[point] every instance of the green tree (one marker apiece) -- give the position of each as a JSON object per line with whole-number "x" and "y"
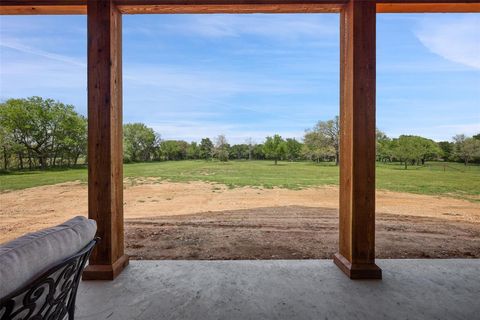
{"x": 7, "y": 146}
{"x": 384, "y": 147}
{"x": 174, "y": 149}
{"x": 43, "y": 127}
{"x": 330, "y": 133}
{"x": 257, "y": 152}
{"x": 74, "y": 139}
{"x": 193, "y": 151}
{"x": 206, "y": 148}
{"x": 274, "y": 148}
{"x": 429, "y": 150}
{"x": 323, "y": 141}
{"x": 138, "y": 142}
{"x": 240, "y": 151}
{"x": 317, "y": 147}
{"x": 415, "y": 149}
{"x": 466, "y": 149}
{"x": 157, "y": 151}
{"x": 405, "y": 149}
{"x": 448, "y": 149}
{"x": 293, "y": 149}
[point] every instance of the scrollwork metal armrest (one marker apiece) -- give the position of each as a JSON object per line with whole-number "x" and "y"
{"x": 52, "y": 295}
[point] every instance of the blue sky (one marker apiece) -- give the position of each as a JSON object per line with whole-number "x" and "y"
{"x": 249, "y": 76}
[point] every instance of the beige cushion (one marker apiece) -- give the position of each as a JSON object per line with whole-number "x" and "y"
{"x": 25, "y": 258}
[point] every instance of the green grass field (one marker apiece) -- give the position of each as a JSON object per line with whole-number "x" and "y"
{"x": 450, "y": 179}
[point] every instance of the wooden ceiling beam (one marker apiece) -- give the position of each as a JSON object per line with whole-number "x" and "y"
{"x": 428, "y": 6}
{"x": 65, "y": 7}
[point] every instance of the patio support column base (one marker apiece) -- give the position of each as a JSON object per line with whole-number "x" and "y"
{"x": 357, "y": 270}
{"x": 105, "y": 272}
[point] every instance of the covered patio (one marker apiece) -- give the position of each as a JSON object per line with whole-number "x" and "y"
{"x": 286, "y": 289}
{"x": 281, "y": 289}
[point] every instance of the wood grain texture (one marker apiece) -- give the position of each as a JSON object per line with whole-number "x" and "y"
{"x": 105, "y": 165}
{"x": 357, "y": 136}
{"x": 18, "y": 7}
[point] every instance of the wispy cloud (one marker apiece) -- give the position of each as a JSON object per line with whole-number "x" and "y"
{"x": 235, "y": 132}
{"x": 15, "y": 45}
{"x": 454, "y": 38}
{"x": 271, "y": 26}
{"x": 437, "y": 132}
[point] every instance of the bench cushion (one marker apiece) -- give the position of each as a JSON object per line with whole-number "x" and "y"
{"x": 24, "y": 259}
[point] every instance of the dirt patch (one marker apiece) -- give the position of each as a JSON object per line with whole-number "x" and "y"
{"x": 292, "y": 232}
{"x": 209, "y": 221}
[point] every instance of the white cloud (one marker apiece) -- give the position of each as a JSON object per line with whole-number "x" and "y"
{"x": 455, "y": 38}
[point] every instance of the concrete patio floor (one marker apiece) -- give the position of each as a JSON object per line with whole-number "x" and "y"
{"x": 284, "y": 289}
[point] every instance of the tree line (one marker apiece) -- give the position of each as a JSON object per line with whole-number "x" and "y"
{"x": 42, "y": 133}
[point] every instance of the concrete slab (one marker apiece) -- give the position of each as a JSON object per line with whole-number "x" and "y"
{"x": 281, "y": 289}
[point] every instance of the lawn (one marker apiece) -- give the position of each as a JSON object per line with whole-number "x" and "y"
{"x": 450, "y": 179}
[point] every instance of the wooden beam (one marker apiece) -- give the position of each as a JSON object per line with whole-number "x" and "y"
{"x": 105, "y": 165}
{"x": 19, "y": 7}
{"x": 42, "y": 7}
{"x": 43, "y": 10}
{"x": 231, "y": 9}
{"x": 229, "y": 6}
{"x": 467, "y": 7}
{"x": 356, "y": 255}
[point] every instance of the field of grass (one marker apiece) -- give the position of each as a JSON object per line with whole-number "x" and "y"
{"x": 449, "y": 179}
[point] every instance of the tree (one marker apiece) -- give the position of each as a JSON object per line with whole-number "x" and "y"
{"x": 239, "y": 151}
{"x": 7, "y": 146}
{"x": 222, "y": 147}
{"x": 405, "y": 149}
{"x": 466, "y": 149}
{"x": 206, "y": 148}
{"x": 193, "y": 151}
{"x": 447, "y": 148}
{"x": 257, "y": 152}
{"x": 384, "y": 147}
{"x": 74, "y": 140}
{"x": 46, "y": 129}
{"x": 429, "y": 149}
{"x": 414, "y": 149}
{"x": 274, "y": 148}
{"x": 251, "y": 146}
{"x": 330, "y": 133}
{"x": 317, "y": 147}
{"x": 174, "y": 149}
{"x": 138, "y": 142}
{"x": 293, "y": 149}
{"x": 157, "y": 151}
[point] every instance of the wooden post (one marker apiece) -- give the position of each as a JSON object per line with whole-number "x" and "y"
{"x": 105, "y": 168}
{"x": 356, "y": 255}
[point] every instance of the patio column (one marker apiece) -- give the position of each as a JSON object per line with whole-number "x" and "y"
{"x": 356, "y": 256}
{"x": 105, "y": 168}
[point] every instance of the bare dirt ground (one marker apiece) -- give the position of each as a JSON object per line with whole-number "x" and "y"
{"x": 207, "y": 221}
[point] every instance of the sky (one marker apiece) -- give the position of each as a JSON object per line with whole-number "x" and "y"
{"x": 249, "y": 76}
